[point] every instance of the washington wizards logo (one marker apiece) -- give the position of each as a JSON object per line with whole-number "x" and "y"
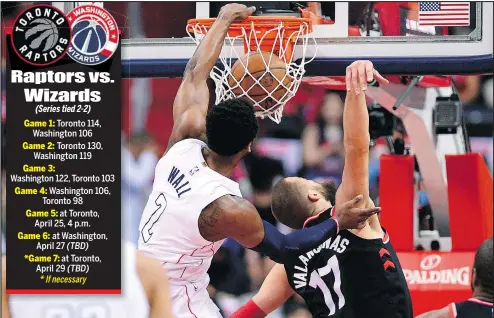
{"x": 41, "y": 35}
{"x": 94, "y": 35}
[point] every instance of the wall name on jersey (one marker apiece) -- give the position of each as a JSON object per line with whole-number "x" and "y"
{"x": 180, "y": 185}
{"x": 338, "y": 245}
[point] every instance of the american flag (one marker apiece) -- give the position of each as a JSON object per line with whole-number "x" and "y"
{"x": 444, "y": 13}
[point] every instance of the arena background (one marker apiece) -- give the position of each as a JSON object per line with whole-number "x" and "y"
{"x": 312, "y": 122}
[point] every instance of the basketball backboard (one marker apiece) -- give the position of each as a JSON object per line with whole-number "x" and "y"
{"x": 399, "y": 37}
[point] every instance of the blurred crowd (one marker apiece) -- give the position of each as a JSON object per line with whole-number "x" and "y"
{"x": 307, "y": 143}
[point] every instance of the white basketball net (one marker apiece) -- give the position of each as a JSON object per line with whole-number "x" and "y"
{"x": 269, "y": 106}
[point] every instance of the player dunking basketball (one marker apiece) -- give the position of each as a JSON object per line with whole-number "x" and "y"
{"x": 480, "y": 304}
{"x": 194, "y": 205}
{"x": 357, "y": 273}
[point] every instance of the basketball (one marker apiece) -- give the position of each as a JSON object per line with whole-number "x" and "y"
{"x": 44, "y": 31}
{"x": 265, "y": 67}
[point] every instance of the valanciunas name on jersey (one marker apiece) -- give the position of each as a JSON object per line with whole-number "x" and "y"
{"x": 338, "y": 244}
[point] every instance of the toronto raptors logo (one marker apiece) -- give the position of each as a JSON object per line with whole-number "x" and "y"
{"x": 94, "y": 35}
{"x": 41, "y": 35}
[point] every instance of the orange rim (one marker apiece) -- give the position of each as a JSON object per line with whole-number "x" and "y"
{"x": 263, "y": 22}
{"x": 262, "y": 25}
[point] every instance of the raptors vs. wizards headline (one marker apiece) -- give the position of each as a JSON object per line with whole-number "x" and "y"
{"x": 46, "y": 95}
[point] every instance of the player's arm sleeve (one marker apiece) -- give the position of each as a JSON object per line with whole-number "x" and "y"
{"x": 280, "y": 248}
{"x": 273, "y": 293}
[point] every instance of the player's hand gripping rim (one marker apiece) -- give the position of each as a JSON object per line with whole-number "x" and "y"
{"x": 347, "y": 216}
{"x": 235, "y": 11}
{"x": 359, "y": 74}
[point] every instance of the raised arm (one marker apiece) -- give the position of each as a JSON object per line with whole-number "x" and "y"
{"x": 273, "y": 293}
{"x": 191, "y": 103}
{"x": 234, "y": 217}
{"x": 356, "y": 138}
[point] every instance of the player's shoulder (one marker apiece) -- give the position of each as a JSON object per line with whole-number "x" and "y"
{"x": 473, "y": 307}
{"x": 190, "y": 142}
{"x": 227, "y": 204}
{"x": 185, "y": 151}
{"x": 185, "y": 145}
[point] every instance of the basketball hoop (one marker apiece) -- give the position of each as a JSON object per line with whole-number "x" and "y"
{"x": 277, "y": 35}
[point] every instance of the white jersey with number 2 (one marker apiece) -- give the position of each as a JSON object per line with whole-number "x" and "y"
{"x": 183, "y": 186}
{"x": 132, "y": 303}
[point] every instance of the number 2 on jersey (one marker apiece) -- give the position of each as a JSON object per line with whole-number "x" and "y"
{"x": 316, "y": 281}
{"x": 147, "y": 229}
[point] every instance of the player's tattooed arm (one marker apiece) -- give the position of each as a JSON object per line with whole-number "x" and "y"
{"x": 191, "y": 102}
{"x": 231, "y": 216}
{"x": 191, "y": 66}
{"x": 208, "y": 220}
